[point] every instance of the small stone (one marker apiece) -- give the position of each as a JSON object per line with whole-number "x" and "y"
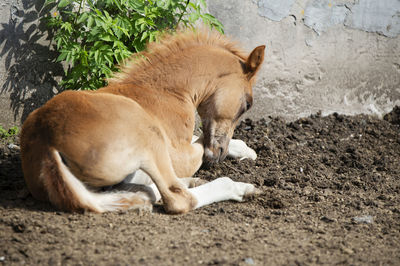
{"x": 327, "y": 219}
{"x": 249, "y": 261}
{"x": 365, "y": 219}
{"x": 347, "y": 250}
{"x": 12, "y": 146}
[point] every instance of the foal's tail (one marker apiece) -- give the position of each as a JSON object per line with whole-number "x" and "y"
{"x": 68, "y": 193}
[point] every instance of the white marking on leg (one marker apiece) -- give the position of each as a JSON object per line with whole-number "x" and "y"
{"x": 238, "y": 149}
{"x": 155, "y": 191}
{"x": 194, "y": 138}
{"x": 221, "y": 189}
{"x": 138, "y": 177}
{"x": 141, "y": 178}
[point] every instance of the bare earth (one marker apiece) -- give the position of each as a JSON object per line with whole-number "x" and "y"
{"x": 331, "y": 196}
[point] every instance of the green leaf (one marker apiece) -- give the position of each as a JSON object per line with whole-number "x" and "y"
{"x": 118, "y": 4}
{"x": 143, "y": 27}
{"x": 48, "y": 2}
{"x": 96, "y": 56}
{"x": 63, "y": 3}
{"x": 59, "y": 43}
{"x": 106, "y": 38}
{"x": 152, "y": 37}
{"x": 194, "y": 6}
{"x": 68, "y": 57}
{"x": 203, "y": 3}
{"x": 194, "y": 17}
{"x": 144, "y": 36}
{"x": 62, "y": 56}
{"x": 90, "y": 22}
{"x": 83, "y": 17}
{"x": 125, "y": 31}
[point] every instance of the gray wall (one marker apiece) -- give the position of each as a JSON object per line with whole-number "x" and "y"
{"x": 334, "y": 56}
{"x": 28, "y": 77}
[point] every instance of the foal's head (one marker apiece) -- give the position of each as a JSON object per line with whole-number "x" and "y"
{"x": 233, "y": 96}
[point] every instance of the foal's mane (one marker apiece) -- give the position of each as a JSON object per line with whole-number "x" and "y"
{"x": 172, "y": 44}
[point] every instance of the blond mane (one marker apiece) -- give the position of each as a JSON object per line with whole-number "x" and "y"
{"x": 171, "y": 44}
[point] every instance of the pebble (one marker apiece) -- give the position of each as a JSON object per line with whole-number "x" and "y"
{"x": 365, "y": 219}
{"x": 327, "y": 219}
{"x": 249, "y": 261}
{"x": 12, "y": 146}
{"x": 347, "y": 250}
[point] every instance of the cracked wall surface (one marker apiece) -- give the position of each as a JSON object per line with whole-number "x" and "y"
{"x": 322, "y": 15}
{"x": 334, "y": 56}
{"x": 382, "y": 16}
{"x": 274, "y": 9}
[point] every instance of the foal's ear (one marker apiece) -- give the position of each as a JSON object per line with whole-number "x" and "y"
{"x": 254, "y": 61}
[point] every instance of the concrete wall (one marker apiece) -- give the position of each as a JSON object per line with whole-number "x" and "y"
{"x": 327, "y": 55}
{"x": 28, "y": 77}
{"x": 334, "y": 56}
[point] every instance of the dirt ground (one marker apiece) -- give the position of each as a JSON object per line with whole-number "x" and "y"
{"x": 331, "y": 196}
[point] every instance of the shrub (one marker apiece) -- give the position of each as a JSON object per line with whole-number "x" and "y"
{"x": 7, "y": 134}
{"x": 93, "y": 36}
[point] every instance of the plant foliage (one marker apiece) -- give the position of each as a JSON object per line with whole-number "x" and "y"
{"x": 7, "y": 134}
{"x": 93, "y": 36}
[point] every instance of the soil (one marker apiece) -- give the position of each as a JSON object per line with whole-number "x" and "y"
{"x": 331, "y": 195}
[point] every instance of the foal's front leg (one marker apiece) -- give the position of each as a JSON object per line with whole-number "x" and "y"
{"x": 222, "y": 189}
{"x": 237, "y": 149}
{"x": 175, "y": 193}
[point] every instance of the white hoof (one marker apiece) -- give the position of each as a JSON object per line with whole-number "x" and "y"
{"x": 239, "y": 149}
{"x": 238, "y": 190}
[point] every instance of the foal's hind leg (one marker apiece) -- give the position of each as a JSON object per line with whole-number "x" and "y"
{"x": 140, "y": 179}
{"x": 176, "y": 197}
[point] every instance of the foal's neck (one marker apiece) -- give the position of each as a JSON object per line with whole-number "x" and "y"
{"x": 173, "y": 90}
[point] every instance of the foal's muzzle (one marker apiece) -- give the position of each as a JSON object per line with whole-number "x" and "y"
{"x": 216, "y": 150}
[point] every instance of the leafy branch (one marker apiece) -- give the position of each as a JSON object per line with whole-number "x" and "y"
{"x": 94, "y": 36}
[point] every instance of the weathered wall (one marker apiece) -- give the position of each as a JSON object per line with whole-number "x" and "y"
{"x": 28, "y": 77}
{"x": 334, "y": 56}
{"x": 327, "y": 55}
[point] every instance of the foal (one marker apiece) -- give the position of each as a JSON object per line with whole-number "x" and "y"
{"x": 80, "y": 141}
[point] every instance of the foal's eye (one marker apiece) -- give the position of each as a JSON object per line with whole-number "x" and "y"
{"x": 249, "y": 101}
